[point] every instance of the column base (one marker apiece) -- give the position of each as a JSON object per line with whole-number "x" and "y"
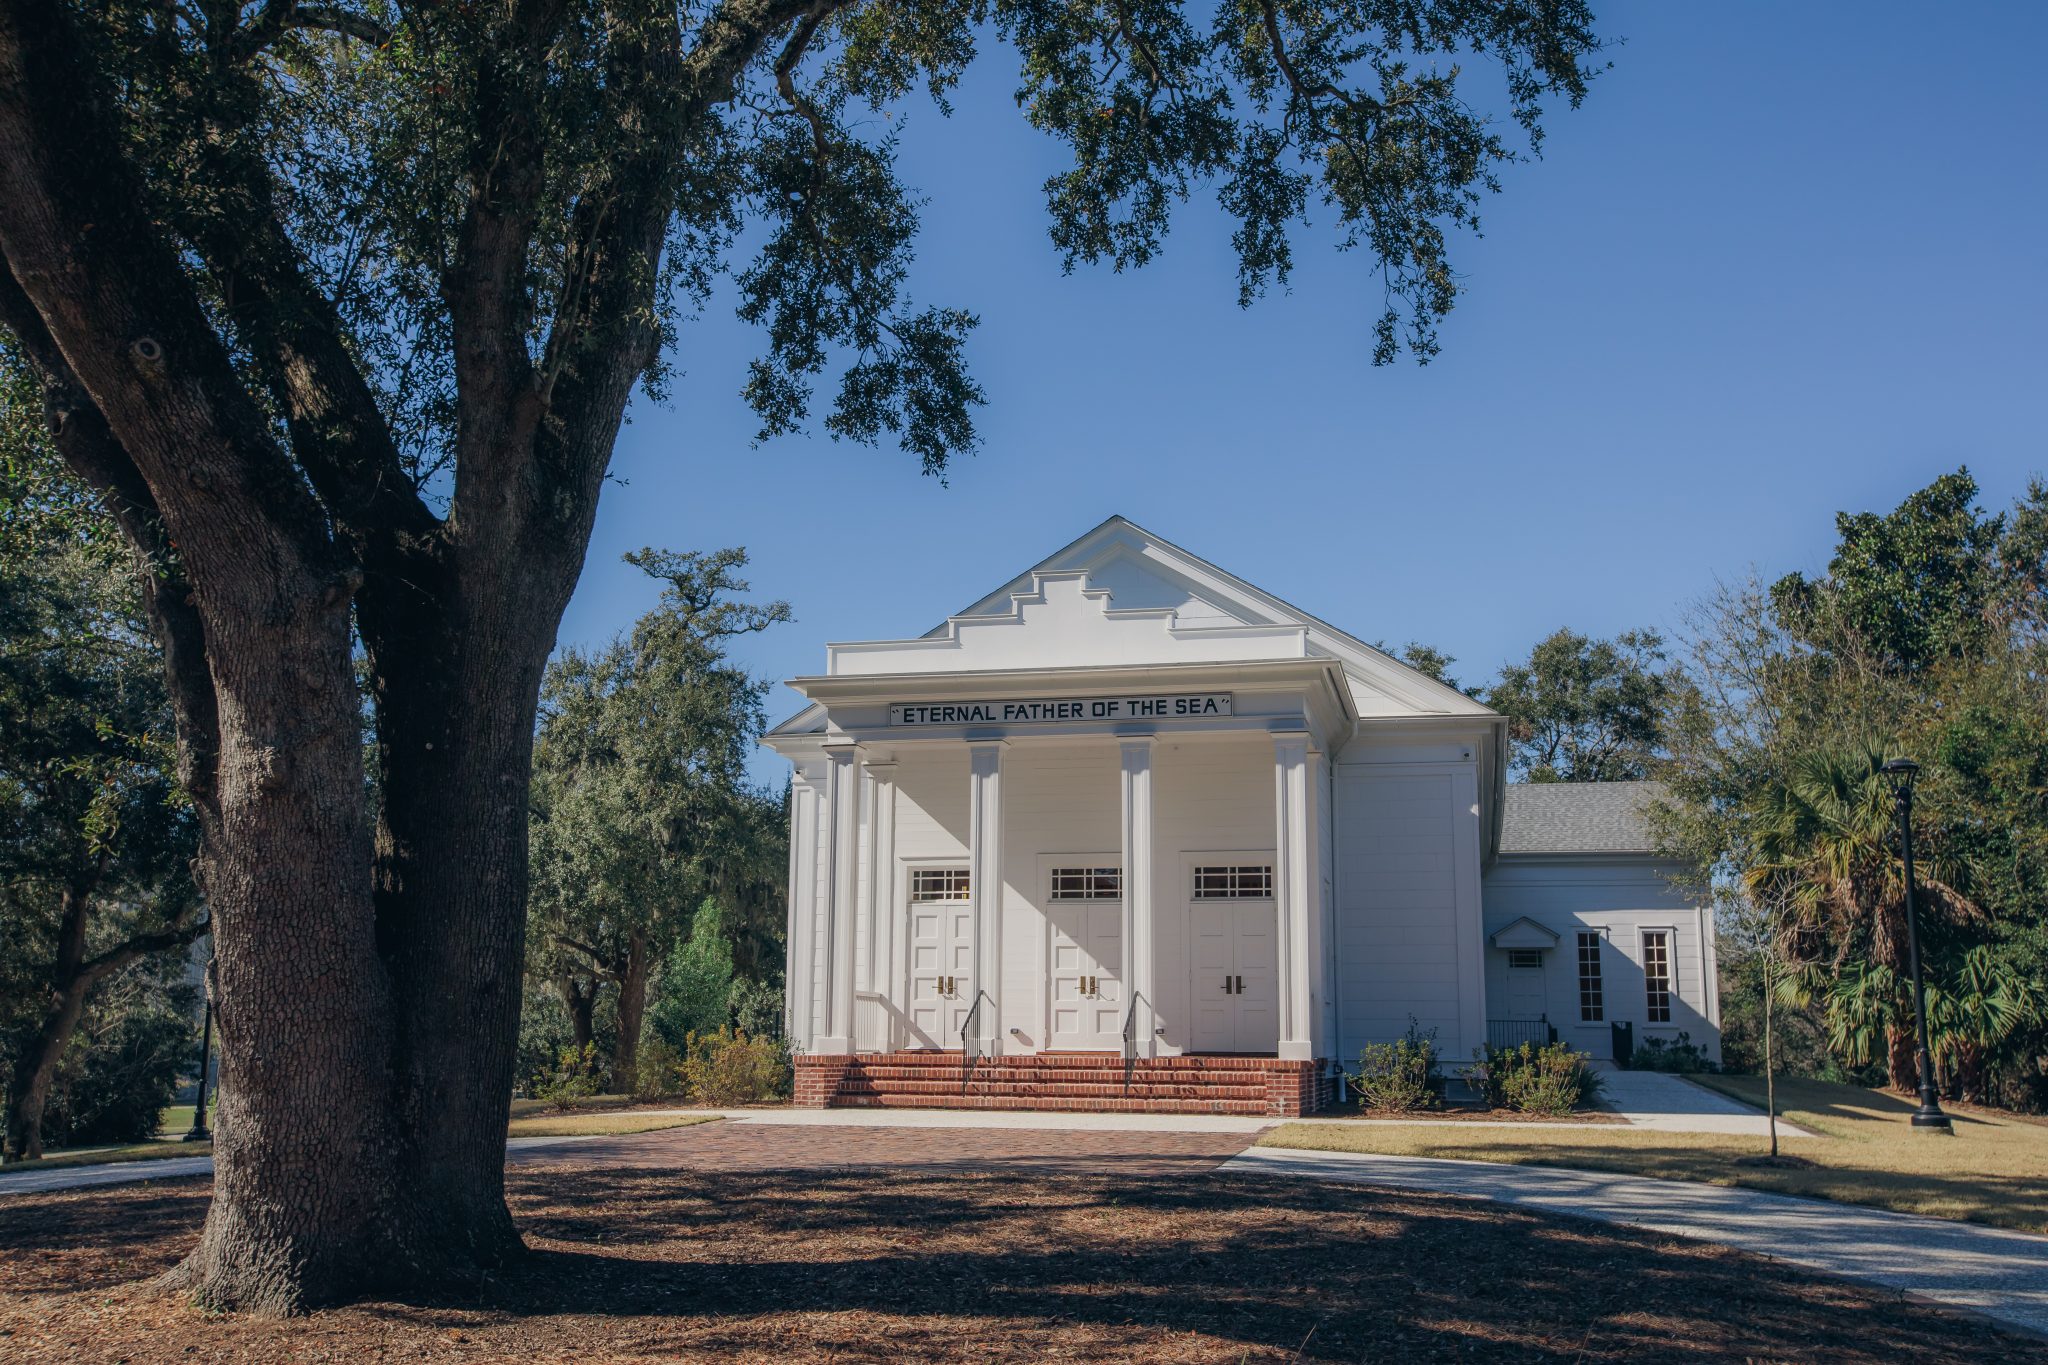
{"x": 1296, "y": 1050}
{"x": 833, "y": 1047}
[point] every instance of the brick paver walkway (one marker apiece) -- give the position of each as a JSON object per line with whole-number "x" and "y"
{"x": 760, "y": 1147}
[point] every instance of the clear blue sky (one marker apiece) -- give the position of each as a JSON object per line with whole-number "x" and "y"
{"x": 1786, "y": 260}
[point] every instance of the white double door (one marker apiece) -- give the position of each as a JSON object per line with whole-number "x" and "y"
{"x": 941, "y": 971}
{"x": 1234, "y": 975}
{"x": 1086, "y": 961}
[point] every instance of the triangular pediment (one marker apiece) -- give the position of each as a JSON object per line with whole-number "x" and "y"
{"x": 1122, "y": 595}
{"x": 1068, "y": 619}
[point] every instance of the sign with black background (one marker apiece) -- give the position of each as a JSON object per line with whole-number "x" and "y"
{"x": 1172, "y": 706}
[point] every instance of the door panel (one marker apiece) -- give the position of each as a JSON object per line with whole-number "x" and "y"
{"x": 1525, "y": 993}
{"x": 1085, "y": 960}
{"x": 1234, "y": 977}
{"x": 941, "y": 946}
{"x": 1212, "y": 958}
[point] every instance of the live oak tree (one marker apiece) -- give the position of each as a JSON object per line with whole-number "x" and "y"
{"x": 341, "y": 302}
{"x": 640, "y": 797}
{"x": 1584, "y": 710}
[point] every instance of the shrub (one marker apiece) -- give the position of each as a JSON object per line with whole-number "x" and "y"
{"x": 661, "y": 1072}
{"x": 1680, "y": 1055}
{"x": 756, "y": 1008}
{"x": 728, "y": 1067}
{"x": 1399, "y": 1076}
{"x": 1551, "y": 1080}
{"x": 694, "y": 990}
{"x": 573, "y": 1077}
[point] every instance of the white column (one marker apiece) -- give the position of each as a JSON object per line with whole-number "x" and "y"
{"x": 842, "y": 871}
{"x": 985, "y": 888}
{"x": 801, "y": 965}
{"x": 1295, "y": 878}
{"x": 879, "y": 974}
{"x": 1136, "y": 784}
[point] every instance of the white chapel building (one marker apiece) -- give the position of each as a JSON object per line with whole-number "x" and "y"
{"x": 1130, "y": 833}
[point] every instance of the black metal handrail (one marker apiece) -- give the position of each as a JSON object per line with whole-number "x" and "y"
{"x": 970, "y": 1040}
{"x": 1130, "y": 1040}
{"x": 1512, "y": 1033}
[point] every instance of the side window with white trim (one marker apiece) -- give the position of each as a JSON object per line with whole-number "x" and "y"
{"x": 1592, "y": 1005}
{"x": 1657, "y": 975}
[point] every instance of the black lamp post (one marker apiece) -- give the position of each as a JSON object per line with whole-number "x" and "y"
{"x": 198, "y": 1131}
{"x": 1900, "y": 772}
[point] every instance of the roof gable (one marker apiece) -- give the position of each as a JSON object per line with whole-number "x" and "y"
{"x": 1189, "y": 608}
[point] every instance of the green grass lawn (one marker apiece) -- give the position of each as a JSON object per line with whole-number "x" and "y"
{"x": 1994, "y": 1170}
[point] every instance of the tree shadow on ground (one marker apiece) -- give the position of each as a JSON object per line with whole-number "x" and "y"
{"x": 1264, "y": 1264}
{"x": 1129, "y": 1262}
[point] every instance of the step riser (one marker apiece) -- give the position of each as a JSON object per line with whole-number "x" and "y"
{"x": 1241, "y": 1108}
{"x": 1070, "y": 1082}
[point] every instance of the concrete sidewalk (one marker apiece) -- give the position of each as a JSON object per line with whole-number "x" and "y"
{"x": 1672, "y": 1104}
{"x": 2001, "y": 1274}
{"x": 176, "y": 1167}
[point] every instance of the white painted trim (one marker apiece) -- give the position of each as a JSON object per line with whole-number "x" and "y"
{"x": 985, "y": 887}
{"x": 1135, "y": 835}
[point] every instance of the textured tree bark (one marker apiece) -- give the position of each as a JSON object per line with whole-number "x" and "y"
{"x": 307, "y": 1182}
{"x": 632, "y": 1014}
{"x": 38, "y": 1061}
{"x": 456, "y": 743}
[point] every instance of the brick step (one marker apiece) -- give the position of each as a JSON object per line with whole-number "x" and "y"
{"x": 1066, "y": 1059}
{"x": 1251, "y": 1108}
{"x": 1171, "y": 1092}
{"x": 1069, "y": 1075}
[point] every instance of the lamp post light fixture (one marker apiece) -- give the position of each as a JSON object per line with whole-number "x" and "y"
{"x": 1899, "y": 773}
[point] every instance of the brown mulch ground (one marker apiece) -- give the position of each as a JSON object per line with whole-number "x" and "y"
{"x": 674, "y": 1247}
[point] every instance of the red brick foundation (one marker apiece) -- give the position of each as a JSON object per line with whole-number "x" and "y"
{"x": 1070, "y": 1082}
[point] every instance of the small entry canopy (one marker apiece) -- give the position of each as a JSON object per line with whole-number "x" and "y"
{"x": 1523, "y": 933}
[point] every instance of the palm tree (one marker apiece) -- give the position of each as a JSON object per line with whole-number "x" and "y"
{"x": 1823, "y": 848}
{"x": 1972, "y": 1010}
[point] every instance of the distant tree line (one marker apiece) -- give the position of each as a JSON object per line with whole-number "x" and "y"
{"x": 1767, "y": 720}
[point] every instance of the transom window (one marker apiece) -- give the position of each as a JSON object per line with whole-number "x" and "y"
{"x": 1234, "y": 882}
{"x": 1087, "y": 883}
{"x": 1657, "y": 975}
{"x": 1592, "y": 1009}
{"x": 938, "y": 884}
{"x": 1525, "y": 957}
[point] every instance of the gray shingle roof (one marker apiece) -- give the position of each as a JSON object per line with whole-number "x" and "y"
{"x": 1578, "y": 817}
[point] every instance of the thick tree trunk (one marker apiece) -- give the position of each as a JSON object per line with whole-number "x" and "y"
{"x": 581, "y": 1003}
{"x": 632, "y": 1015}
{"x": 306, "y": 1185}
{"x": 457, "y": 688}
{"x": 30, "y": 1092}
